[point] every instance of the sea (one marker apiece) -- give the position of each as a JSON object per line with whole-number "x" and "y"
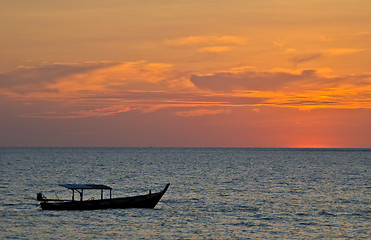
{"x": 215, "y": 193}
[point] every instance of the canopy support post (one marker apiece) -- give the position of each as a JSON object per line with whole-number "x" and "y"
{"x": 81, "y": 193}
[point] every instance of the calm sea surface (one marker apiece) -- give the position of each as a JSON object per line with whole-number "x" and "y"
{"x": 215, "y": 193}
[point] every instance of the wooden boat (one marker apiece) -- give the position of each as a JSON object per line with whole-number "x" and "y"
{"x": 149, "y": 200}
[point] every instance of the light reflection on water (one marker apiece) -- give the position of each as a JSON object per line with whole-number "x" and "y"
{"x": 214, "y": 193}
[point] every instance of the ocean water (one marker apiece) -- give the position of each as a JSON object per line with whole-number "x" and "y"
{"x": 215, "y": 193}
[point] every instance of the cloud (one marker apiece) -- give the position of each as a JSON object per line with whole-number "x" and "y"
{"x": 205, "y": 40}
{"x": 79, "y": 90}
{"x": 302, "y": 58}
{"x": 279, "y": 80}
{"x": 249, "y": 80}
{"x": 99, "y": 112}
{"x": 363, "y": 35}
{"x": 32, "y": 78}
{"x": 101, "y": 77}
{"x": 75, "y": 90}
{"x": 324, "y": 38}
{"x": 308, "y": 88}
{"x": 342, "y": 51}
{"x": 299, "y": 58}
{"x": 202, "y": 112}
{"x": 216, "y": 49}
{"x": 207, "y": 44}
{"x": 101, "y": 89}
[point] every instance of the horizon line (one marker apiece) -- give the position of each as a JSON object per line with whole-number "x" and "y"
{"x": 225, "y": 147}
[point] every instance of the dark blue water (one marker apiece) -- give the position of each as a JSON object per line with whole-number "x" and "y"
{"x": 214, "y": 193}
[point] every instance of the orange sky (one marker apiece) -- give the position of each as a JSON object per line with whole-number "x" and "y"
{"x": 258, "y": 73}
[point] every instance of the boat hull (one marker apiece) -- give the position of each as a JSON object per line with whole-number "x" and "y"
{"x": 143, "y": 201}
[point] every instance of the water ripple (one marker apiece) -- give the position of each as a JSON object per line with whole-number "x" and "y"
{"x": 214, "y": 193}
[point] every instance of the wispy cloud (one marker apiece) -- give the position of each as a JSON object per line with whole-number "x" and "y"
{"x": 298, "y": 58}
{"x": 252, "y": 80}
{"x": 206, "y": 40}
{"x": 342, "y": 51}
{"x": 308, "y": 88}
{"x": 107, "y": 88}
{"x": 83, "y": 78}
{"x": 216, "y": 49}
{"x": 93, "y": 89}
{"x": 209, "y": 44}
{"x": 302, "y": 58}
{"x": 98, "y": 112}
{"x": 202, "y": 112}
{"x": 29, "y": 79}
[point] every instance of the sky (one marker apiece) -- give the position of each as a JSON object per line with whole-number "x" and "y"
{"x": 185, "y": 73}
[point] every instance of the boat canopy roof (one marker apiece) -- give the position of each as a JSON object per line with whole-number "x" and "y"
{"x": 85, "y": 186}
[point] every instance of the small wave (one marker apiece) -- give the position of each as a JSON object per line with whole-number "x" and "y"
{"x": 302, "y": 214}
{"x": 262, "y": 217}
{"x": 308, "y": 223}
{"x": 244, "y": 224}
{"x": 354, "y": 214}
{"x": 244, "y": 208}
{"x": 9, "y": 204}
{"x": 324, "y": 213}
{"x": 361, "y": 213}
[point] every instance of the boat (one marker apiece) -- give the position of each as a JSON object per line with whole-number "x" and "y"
{"x": 149, "y": 200}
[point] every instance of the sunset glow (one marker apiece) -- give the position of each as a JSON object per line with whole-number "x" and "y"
{"x": 186, "y": 74}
